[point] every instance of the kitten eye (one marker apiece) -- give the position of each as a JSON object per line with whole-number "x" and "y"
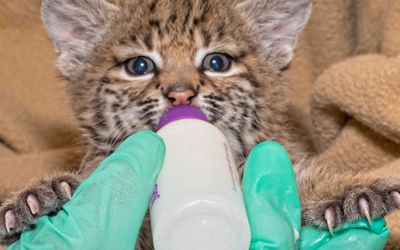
{"x": 139, "y": 66}
{"x": 217, "y": 62}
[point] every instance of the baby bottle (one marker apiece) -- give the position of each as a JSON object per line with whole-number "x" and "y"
{"x": 197, "y": 202}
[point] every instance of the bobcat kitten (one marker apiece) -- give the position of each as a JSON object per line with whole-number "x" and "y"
{"x": 129, "y": 61}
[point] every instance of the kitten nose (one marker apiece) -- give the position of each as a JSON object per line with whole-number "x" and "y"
{"x": 181, "y": 97}
{"x": 180, "y": 93}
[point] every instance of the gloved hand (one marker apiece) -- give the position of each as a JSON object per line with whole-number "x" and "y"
{"x": 273, "y": 208}
{"x": 107, "y": 209}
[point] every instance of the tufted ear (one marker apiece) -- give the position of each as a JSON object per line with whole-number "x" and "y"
{"x": 278, "y": 24}
{"x": 73, "y": 25}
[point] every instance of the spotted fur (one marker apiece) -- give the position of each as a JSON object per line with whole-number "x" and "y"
{"x": 110, "y": 107}
{"x": 249, "y": 103}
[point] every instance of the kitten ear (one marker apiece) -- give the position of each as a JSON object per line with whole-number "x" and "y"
{"x": 278, "y": 24}
{"x": 73, "y": 24}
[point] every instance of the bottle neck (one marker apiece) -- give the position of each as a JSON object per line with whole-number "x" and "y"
{"x": 177, "y": 113}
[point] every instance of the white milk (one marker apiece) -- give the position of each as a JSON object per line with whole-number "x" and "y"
{"x": 198, "y": 203}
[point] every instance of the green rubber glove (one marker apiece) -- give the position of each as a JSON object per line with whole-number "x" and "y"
{"x": 270, "y": 194}
{"x": 107, "y": 209}
{"x": 273, "y": 208}
{"x": 355, "y": 236}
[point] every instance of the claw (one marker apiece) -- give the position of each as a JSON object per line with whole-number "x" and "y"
{"x": 330, "y": 219}
{"x": 364, "y": 209}
{"x": 396, "y": 197}
{"x": 66, "y": 190}
{"x": 33, "y": 204}
{"x": 10, "y": 219}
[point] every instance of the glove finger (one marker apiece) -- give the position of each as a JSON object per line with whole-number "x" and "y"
{"x": 270, "y": 193}
{"x": 129, "y": 176}
{"x": 356, "y": 236}
{"x": 107, "y": 209}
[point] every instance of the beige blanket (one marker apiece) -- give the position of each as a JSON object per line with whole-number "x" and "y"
{"x": 345, "y": 77}
{"x": 346, "y": 80}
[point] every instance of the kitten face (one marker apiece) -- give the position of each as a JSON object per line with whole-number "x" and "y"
{"x": 122, "y": 73}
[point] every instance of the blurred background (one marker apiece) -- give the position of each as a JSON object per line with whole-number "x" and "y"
{"x": 38, "y": 134}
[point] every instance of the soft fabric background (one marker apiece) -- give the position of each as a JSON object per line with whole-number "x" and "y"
{"x": 345, "y": 79}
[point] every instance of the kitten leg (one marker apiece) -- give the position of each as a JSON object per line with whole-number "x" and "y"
{"x": 43, "y": 198}
{"x": 144, "y": 240}
{"x": 340, "y": 199}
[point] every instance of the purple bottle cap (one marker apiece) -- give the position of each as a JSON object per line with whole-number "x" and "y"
{"x": 179, "y": 113}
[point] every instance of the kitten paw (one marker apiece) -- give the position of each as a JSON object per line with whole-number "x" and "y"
{"x": 369, "y": 203}
{"x": 22, "y": 212}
